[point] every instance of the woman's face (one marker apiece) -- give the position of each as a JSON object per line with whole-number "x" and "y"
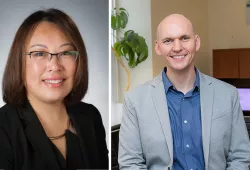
{"x": 47, "y": 80}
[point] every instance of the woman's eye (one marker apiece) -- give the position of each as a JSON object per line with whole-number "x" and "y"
{"x": 67, "y": 53}
{"x": 39, "y": 54}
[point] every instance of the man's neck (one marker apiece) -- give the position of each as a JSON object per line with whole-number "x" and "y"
{"x": 182, "y": 80}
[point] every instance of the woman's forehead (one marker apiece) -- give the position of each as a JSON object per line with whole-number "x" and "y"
{"x": 47, "y": 34}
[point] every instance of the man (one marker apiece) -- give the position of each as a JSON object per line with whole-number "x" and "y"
{"x": 182, "y": 119}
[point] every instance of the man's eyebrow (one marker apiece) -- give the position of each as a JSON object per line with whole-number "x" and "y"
{"x": 169, "y": 38}
{"x": 186, "y": 35}
{"x": 166, "y": 38}
{"x": 40, "y": 45}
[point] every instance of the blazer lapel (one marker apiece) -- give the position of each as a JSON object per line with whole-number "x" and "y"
{"x": 82, "y": 125}
{"x": 37, "y": 136}
{"x": 160, "y": 102}
{"x": 206, "y": 99}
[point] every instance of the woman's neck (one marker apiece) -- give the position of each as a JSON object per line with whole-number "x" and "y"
{"x": 49, "y": 112}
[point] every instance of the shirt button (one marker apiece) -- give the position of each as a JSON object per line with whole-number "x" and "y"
{"x": 187, "y": 145}
{"x": 183, "y": 99}
{"x": 191, "y": 169}
{"x": 185, "y": 121}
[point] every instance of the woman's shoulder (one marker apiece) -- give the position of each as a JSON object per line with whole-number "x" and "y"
{"x": 6, "y": 108}
{"x": 83, "y": 109}
{"x": 8, "y": 113}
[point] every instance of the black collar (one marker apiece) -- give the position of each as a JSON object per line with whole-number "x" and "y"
{"x": 38, "y": 138}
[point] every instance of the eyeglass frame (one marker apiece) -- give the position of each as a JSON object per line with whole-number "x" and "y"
{"x": 51, "y": 54}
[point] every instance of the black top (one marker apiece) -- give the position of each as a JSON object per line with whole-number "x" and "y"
{"x": 25, "y": 145}
{"x": 74, "y": 156}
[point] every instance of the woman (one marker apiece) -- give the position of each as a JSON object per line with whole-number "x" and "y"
{"x": 44, "y": 124}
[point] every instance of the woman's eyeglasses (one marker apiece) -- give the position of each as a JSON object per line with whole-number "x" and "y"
{"x": 63, "y": 57}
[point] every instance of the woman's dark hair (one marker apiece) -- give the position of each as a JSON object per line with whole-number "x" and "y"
{"x": 13, "y": 89}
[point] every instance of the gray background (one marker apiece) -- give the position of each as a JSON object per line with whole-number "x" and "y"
{"x": 91, "y": 17}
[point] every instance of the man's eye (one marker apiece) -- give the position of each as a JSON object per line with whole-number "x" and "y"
{"x": 185, "y": 38}
{"x": 167, "y": 41}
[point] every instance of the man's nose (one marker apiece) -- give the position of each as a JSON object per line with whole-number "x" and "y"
{"x": 177, "y": 46}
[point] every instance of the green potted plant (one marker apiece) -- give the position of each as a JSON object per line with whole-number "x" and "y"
{"x": 128, "y": 44}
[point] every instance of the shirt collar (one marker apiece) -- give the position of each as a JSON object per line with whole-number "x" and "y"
{"x": 167, "y": 83}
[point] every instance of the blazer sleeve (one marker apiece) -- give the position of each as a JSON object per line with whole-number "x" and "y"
{"x": 6, "y": 155}
{"x": 101, "y": 139}
{"x": 130, "y": 154}
{"x": 239, "y": 153}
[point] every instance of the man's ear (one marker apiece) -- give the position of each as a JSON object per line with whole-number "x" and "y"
{"x": 157, "y": 48}
{"x": 197, "y": 42}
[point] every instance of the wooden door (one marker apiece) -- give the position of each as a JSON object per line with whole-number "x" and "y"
{"x": 225, "y": 64}
{"x": 244, "y": 64}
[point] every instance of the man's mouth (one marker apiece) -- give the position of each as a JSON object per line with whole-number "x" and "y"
{"x": 178, "y": 56}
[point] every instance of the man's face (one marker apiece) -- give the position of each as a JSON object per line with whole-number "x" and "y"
{"x": 177, "y": 44}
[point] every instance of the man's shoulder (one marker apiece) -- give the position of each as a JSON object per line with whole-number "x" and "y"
{"x": 143, "y": 90}
{"x": 219, "y": 85}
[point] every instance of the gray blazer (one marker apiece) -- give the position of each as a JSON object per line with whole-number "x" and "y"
{"x": 145, "y": 135}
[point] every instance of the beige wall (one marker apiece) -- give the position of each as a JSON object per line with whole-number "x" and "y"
{"x": 227, "y": 25}
{"x": 221, "y": 24}
{"x": 197, "y": 12}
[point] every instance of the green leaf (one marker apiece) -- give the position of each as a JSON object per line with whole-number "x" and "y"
{"x": 118, "y": 21}
{"x": 131, "y": 39}
{"x": 119, "y": 53}
{"x": 134, "y": 41}
{"x": 142, "y": 57}
{"x": 117, "y": 47}
{"x": 127, "y": 33}
{"x": 113, "y": 22}
{"x": 131, "y": 61}
{"x": 141, "y": 45}
{"x": 121, "y": 22}
{"x": 124, "y": 19}
{"x": 123, "y": 10}
{"x": 127, "y": 49}
{"x": 131, "y": 46}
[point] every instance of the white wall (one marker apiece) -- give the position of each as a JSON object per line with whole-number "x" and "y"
{"x": 91, "y": 17}
{"x": 139, "y": 21}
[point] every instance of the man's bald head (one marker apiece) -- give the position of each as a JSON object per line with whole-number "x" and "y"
{"x": 174, "y": 21}
{"x": 176, "y": 42}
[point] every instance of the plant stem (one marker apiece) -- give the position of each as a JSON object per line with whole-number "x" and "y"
{"x": 121, "y": 31}
{"x": 117, "y": 39}
{"x": 126, "y": 69}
